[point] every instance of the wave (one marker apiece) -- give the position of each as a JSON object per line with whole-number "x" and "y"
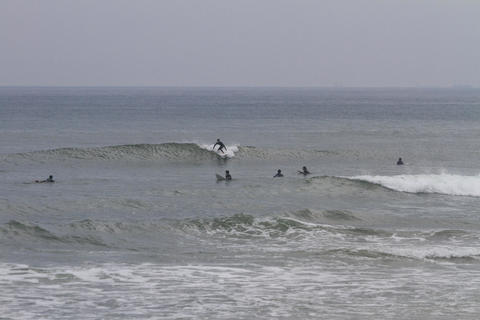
{"x": 344, "y": 183}
{"x": 166, "y": 151}
{"x": 447, "y": 184}
{"x": 432, "y": 253}
{"x": 244, "y": 226}
{"x": 16, "y": 230}
{"x": 307, "y": 231}
{"x": 292, "y": 224}
{"x": 334, "y": 222}
{"x": 172, "y": 151}
{"x": 304, "y": 230}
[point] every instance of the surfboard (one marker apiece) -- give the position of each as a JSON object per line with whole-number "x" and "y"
{"x": 219, "y": 177}
{"x": 220, "y": 154}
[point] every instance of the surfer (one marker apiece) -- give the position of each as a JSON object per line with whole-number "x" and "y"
{"x": 304, "y": 171}
{"x": 228, "y": 177}
{"x": 399, "y": 162}
{"x": 49, "y": 179}
{"x": 279, "y": 174}
{"x": 221, "y": 146}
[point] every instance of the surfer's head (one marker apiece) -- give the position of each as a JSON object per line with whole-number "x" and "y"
{"x": 279, "y": 171}
{"x": 226, "y": 171}
{"x": 304, "y": 168}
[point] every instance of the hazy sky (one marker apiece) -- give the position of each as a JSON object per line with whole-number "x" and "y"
{"x": 240, "y": 43}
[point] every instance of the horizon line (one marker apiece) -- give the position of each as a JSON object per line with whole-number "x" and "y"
{"x": 246, "y": 87}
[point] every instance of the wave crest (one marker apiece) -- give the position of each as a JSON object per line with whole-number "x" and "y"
{"x": 448, "y": 184}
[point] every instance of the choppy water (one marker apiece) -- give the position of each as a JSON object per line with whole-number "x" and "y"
{"x": 136, "y": 225}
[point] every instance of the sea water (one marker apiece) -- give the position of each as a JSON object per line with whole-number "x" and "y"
{"x": 137, "y": 227}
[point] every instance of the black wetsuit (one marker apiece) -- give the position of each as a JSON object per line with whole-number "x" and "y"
{"x": 221, "y": 146}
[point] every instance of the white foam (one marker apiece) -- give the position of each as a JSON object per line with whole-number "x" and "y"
{"x": 430, "y": 252}
{"x": 229, "y": 153}
{"x": 429, "y": 183}
{"x": 235, "y": 290}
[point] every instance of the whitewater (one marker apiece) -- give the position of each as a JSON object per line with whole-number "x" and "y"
{"x": 137, "y": 226}
{"x": 449, "y": 184}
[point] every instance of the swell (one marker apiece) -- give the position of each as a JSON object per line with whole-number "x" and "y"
{"x": 332, "y": 221}
{"x": 165, "y": 151}
{"x": 19, "y": 231}
{"x": 87, "y": 232}
{"x": 346, "y": 182}
{"x": 326, "y": 232}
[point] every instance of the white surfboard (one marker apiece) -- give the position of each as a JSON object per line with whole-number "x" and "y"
{"x": 219, "y": 177}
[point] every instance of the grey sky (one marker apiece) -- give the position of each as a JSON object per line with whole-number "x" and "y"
{"x": 240, "y": 43}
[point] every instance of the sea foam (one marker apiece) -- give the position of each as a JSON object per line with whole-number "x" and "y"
{"x": 449, "y": 184}
{"x": 229, "y": 153}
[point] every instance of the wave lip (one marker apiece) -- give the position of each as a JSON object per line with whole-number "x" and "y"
{"x": 448, "y": 184}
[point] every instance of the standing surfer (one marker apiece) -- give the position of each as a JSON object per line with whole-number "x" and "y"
{"x": 221, "y": 146}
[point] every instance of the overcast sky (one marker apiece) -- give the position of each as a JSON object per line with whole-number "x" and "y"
{"x": 240, "y": 43}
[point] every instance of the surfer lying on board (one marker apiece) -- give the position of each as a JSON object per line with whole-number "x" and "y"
{"x": 279, "y": 174}
{"x": 221, "y": 146}
{"x": 304, "y": 171}
{"x": 49, "y": 179}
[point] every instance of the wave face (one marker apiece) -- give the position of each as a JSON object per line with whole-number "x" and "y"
{"x": 165, "y": 151}
{"x": 171, "y": 151}
{"x": 448, "y": 184}
{"x": 18, "y": 231}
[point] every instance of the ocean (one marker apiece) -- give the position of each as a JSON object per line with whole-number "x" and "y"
{"x": 136, "y": 225}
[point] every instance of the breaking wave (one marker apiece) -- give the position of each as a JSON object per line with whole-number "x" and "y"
{"x": 319, "y": 232}
{"x": 166, "y": 151}
{"x": 307, "y": 230}
{"x": 448, "y": 184}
